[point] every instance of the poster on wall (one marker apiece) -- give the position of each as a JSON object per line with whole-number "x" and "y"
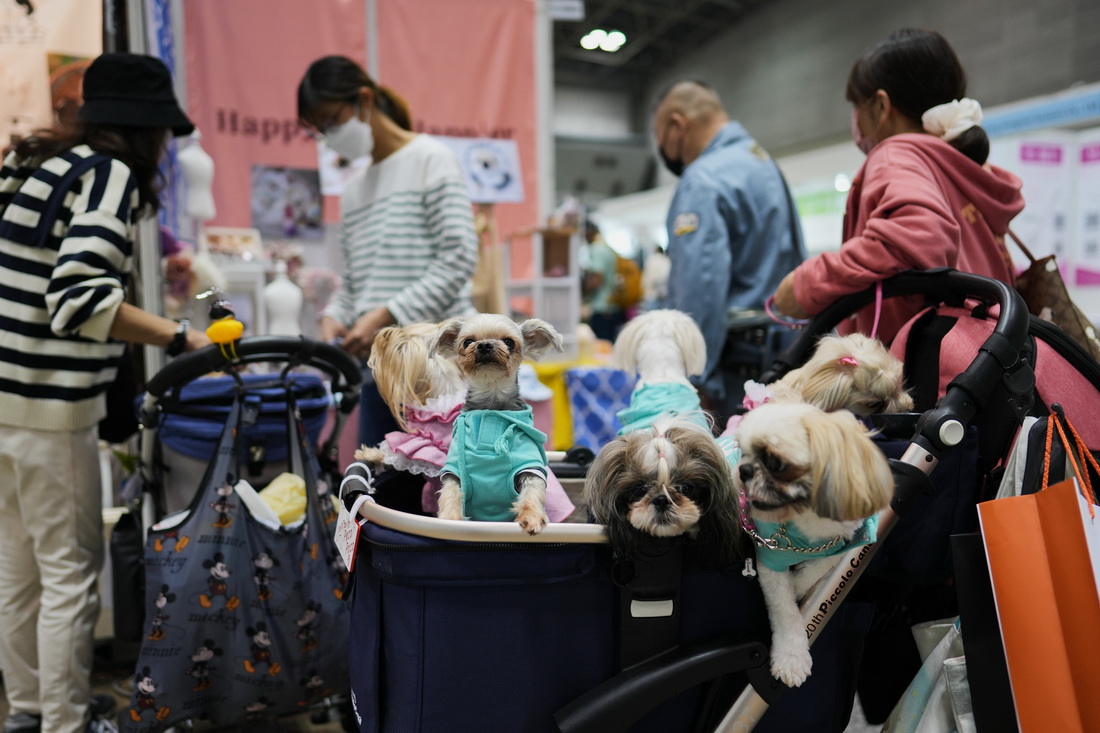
{"x": 44, "y": 47}
{"x": 491, "y": 168}
{"x": 1088, "y": 210}
{"x": 1046, "y": 166}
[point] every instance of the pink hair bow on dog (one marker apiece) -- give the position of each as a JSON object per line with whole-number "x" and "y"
{"x": 848, "y": 361}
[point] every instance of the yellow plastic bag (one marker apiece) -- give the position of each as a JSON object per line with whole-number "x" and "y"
{"x": 286, "y": 495}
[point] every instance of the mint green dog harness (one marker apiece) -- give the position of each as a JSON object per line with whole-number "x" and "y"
{"x": 787, "y": 546}
{"x": 650, "y": 401}
{"x": 489, "y": 448}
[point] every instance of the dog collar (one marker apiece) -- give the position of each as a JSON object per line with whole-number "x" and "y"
{"x": 778, "y": 540}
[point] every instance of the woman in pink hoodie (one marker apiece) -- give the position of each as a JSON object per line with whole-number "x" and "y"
{"x": 924, "y": 198}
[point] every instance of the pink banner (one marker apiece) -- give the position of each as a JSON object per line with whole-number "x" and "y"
{"x": 467, "y": 69}
{"x": 244, "y": 60}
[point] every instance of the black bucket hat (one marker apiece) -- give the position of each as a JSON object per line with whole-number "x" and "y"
{"x": 134, "y": 91}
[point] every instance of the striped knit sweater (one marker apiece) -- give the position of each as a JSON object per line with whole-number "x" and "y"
{"x": 58, "y": 302}
{"x": 407, "y": 236}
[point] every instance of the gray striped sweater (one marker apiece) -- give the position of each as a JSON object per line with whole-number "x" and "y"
{"x": 58, "y": 301}
{"x": 407, "y": 237}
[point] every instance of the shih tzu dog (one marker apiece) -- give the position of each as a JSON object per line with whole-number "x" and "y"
{"x": 813, "y": 482}
{"x": 665, "y": 348}
{"x": 425, "y": 393}
{"x": 850, "y": 372}
{"x": 669, "y": 479}
{"x": 664, "y": 475}
{"x": 496, "y": 467}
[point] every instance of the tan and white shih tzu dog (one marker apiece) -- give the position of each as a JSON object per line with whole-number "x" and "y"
{"x": 496, "y": 466}
{"x": 664, "y": 475}
{"x": 813, "y": 482}
{"x": 425, "y": 393}
{"x": 852, "y": 372}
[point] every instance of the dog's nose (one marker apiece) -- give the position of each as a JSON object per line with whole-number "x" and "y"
{"x": 660, "y": 502}
{"x": 485, "y": 346}
{"x": 745, "y": 471}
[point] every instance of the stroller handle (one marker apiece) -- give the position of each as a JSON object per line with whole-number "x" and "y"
{"x": 293, "y": 350}
{"x": 942, "y": 427}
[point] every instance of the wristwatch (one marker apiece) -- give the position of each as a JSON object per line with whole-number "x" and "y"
{"x": 179, "y": 341}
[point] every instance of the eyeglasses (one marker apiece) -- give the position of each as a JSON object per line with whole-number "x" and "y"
{"x": 320, "y": 131}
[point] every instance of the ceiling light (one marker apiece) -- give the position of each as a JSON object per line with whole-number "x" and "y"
{"x": 613, "y": 42}
{"x": 593, "y": 40}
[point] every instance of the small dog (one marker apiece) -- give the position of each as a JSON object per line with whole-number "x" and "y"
{"x": 851, "y": 372}
{"x": 665, "y": 348}
{"x": 664, "y": 475}
{"x": 812, "y": 480}
{"x": 496, "y": 466}
{"x": 667, "y": 480}
{"x": 424, "y": 393}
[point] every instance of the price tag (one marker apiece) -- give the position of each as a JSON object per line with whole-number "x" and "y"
{"x": 347, "y": 530}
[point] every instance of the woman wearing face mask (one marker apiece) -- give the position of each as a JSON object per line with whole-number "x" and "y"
{"x": 924, "y": 198}
{"x": 407, "y": 231}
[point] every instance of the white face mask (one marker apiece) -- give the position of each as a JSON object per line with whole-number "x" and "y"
{"x": 353, "y": 139}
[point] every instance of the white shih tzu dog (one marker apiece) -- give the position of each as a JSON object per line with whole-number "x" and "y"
{"x": 814, "y": 482}
{"x": 496, "y": 467}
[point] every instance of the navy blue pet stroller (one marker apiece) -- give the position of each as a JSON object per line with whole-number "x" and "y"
{"x": 475, "y": 626}
{"x": 243, "y": 615}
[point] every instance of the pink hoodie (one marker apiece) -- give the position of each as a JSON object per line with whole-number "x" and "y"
{"x": 916, "y": 203}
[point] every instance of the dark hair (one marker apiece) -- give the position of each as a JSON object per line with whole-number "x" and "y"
{"x": 338, "y": 79}
{"x": 140, "y": 148}
{"x": 919, "y": 70}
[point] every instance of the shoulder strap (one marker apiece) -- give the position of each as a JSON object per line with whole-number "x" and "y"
{"x": 1023, "y": 248}
{"x": 57, "y": 196}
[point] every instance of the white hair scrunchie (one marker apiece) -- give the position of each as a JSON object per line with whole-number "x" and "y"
{"x": 948, "y": 121}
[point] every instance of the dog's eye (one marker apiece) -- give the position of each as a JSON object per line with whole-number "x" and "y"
{"x": 510, "y": 344}
{"x": 467, "y": 343}
{"x": 637, "y": 491}
{"x": 687, "y": 490}
{"x": 772, "y": 463}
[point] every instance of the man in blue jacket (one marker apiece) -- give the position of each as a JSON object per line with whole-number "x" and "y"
{"x": 733, "y": 233}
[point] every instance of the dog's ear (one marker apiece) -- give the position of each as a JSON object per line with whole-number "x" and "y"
{"x": 443, "y": 343}
{"x": 851, "y": 476}
{"x": 538, "y": 336}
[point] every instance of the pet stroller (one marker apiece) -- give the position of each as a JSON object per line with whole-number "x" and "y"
{"x": 471, "y": 626}
{"x": 243, "y": 618}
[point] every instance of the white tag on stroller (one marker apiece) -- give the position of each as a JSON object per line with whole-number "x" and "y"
{"x": 347, "y": 530}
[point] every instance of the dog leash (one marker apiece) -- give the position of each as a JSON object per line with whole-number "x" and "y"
{"x": 778, "y": 539}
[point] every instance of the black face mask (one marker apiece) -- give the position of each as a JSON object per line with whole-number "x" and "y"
{"x": 675, "y": 165}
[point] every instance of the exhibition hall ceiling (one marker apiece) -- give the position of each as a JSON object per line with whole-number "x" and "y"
{"x": 658, "y": 32}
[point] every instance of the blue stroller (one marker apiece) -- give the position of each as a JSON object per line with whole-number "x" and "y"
{"x": 244, "y": 618}
{"x": 472, "y": 626}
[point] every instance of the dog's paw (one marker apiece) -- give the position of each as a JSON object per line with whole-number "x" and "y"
{"x": 790, "y": 664}
{"x": 369, "y": 455}
{"x": 450, "y": 513}
{"x": 532, "y": 521}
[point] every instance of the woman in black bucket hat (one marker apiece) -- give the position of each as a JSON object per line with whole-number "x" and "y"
{"x": 69, "y": 201}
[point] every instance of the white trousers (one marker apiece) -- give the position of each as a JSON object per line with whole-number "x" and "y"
{"x": 51, "y": 551}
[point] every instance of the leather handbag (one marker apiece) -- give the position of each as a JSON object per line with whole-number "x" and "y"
{"x": 1045, "y": 293}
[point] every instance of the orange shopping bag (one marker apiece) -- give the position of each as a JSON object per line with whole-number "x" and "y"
{"x": 1044, "y": 560}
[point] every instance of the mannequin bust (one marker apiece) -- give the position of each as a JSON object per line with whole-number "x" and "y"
{"x": 283, "y": 301}
{"x": 198, "y": 170}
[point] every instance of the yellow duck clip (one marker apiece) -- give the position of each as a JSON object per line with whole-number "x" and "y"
{"x": 225, "y": 332}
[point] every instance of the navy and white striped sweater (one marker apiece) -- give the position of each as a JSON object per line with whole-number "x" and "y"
{"x": 58, "y": 301}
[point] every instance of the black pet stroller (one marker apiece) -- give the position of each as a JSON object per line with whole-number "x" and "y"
{"x": 242, "y": 617}
{"x": 470, "y": 626}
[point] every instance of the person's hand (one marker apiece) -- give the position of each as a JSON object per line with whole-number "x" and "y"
{"x": 360, "y": 337}
{"x": 332, "y": 329}
{"x": 785, "y": 301}
{"x": 195, "y": 338}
